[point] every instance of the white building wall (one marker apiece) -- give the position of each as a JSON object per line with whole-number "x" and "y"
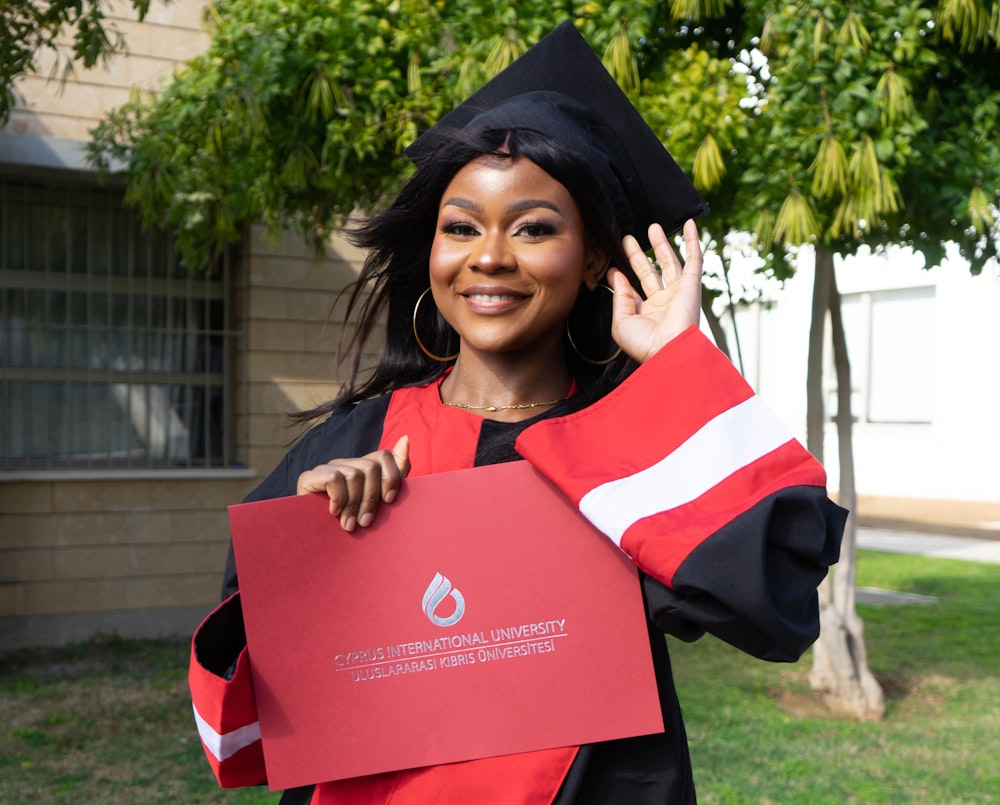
{"x": 951, "y": 364}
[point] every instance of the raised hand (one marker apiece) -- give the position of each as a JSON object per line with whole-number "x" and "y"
{"x": 672, "y": 298}
{"x": 357, "y": 486}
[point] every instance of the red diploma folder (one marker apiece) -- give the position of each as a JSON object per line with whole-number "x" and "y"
{"x": 480, "y": 615}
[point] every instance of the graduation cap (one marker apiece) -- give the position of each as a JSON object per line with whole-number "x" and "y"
{"x": 560, "y": 88}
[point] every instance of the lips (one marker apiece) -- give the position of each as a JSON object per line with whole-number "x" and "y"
{"x": 492, "y": 300}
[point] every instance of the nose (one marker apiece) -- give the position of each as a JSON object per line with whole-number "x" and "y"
{"x": 492, "y": 253}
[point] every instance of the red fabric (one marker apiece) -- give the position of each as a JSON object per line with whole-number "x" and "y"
{"x": 244, "y": 768}
{"x": 443, "y": 438}
{"x": 227, "y": 705}
{"x": 688, "y": 526}
{"x": 691, "y": 382}
{"x": 667, "y": 399}
{"x": 532, "y": 778}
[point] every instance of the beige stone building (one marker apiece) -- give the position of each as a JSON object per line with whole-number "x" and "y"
{"x": 136, "y": 401}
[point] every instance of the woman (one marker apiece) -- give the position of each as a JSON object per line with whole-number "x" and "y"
{"x": 554, "y": 339}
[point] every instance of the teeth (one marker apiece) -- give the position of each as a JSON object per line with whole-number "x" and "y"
{"x": 482, "y": 297}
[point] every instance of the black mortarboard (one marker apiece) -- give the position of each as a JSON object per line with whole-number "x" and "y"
{"x": 560, "y": 88}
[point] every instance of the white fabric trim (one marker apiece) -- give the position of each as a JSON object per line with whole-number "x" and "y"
{"x": 225, "y": 746}
{"x": 726, "y": 444}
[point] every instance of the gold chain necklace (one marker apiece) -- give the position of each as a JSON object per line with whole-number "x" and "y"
{"x": 515, "y": 407}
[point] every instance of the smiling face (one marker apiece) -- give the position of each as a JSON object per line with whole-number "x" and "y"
{"x": 508, "y": 258}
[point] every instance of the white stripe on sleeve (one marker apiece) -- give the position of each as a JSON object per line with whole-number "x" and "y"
{"x": 227, "y": 745}
{"x": 729, "y": 442}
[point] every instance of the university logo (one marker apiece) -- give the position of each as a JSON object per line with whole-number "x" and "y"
{"x": 437, "y": 591}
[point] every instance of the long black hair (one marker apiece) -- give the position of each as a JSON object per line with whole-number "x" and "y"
{"x": 396, "y": 273}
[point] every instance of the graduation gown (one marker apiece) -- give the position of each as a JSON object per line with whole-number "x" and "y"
{"x": 682, "y": 466}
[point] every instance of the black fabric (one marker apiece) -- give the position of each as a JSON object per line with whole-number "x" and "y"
{"x": 760, "y": 597}
{"x": 297, "y": 796}
{"x": 496, "y": 439}
{"x": 644, "y": 770}
{"x": 219, "y": 641}
{"x": 753, "y": 584}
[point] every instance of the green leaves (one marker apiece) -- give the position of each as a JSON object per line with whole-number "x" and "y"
{"x": 970, "y": 22}
{"x": 296, "y": 114}
{"x": 698, "y": 10}
{"x": 299, "y": 112}
{"x": 888, "y": 121}
{"x": 981, "y": 211}
{"x": 504, "y": 52}
{"x": 621, "y": 62}
{"x": 865, "y": 122}
{"x": 320, "y": 103}
{"x": 829, "y": 169}
{"x": 709, "y": 167}
{"x": 852, "y": 36}
{"x": 796, "y": 222}
{"x": 893, "y": 97}
{"x": 28, "y": 27}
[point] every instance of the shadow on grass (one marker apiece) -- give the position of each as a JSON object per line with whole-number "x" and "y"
{"x": 954, "y": 635}
{"x": 100, "y": 655}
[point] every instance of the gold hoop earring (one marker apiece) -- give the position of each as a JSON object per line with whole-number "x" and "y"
{"x": 576, "y": 349}
{"x": 416, "y": 335}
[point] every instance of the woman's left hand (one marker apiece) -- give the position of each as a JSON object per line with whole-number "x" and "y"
{"x": 673, "y": 300}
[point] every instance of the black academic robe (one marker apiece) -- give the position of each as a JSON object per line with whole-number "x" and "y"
{"x": 724, "y": 513}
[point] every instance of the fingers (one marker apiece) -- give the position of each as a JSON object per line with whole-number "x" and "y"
{"x": 671, "y": 267}
{"x": 646, "y": 318}
{"x": 626, "y": 298}
{"x": 693, "y": 259}
{"x": 357, "y": 486}
{"x": 395, "y": 467}
{"x": 670, "y": 264}
{"x": 649, "y": 278}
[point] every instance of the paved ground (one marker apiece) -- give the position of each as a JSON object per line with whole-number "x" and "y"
{"x": 944, "y": 546}
{"x": 940, "y": 545}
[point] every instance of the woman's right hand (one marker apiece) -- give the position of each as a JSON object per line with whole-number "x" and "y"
{"x": 356, "y": 486}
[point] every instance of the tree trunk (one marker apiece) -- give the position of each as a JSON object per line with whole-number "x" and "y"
{"x": 815, "y": 404}
{"x": 714, "y": 323}
{"x": 840, "y": 676}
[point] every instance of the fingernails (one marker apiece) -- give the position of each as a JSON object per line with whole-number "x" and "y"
{"x": 351, "y": 523}
{"x": 365, "y": 519}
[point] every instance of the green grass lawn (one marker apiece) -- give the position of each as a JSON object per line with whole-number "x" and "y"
{"x": 110, "y": 721}
{"x": 756, "y": 737}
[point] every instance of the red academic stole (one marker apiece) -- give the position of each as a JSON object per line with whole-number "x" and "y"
{"x": 444, "y": 439}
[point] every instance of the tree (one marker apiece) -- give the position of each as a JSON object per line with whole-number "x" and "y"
{"x": 880, "y": 127}
{"x": 299, "y": 111}
{"x": 30, "y": 27}
{"x": 868, "y": 123}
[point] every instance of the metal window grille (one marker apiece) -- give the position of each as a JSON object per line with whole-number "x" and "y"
{"x": 112, "y": 354}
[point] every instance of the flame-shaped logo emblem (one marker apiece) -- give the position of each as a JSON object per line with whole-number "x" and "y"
{"x": 437, "y": 591}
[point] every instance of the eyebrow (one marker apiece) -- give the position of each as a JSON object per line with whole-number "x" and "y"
{"x": 518, "y": 206}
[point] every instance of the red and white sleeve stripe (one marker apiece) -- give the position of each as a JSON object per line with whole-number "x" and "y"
{"x": 226, "y": 715}
{"x": 673, "y": 454}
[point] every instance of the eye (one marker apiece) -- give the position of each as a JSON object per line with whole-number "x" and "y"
{"x": 459, "y": 229}
{"x": 534, "y": 230}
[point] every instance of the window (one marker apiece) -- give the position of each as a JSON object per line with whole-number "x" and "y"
{"x": 111, "y": 353}
{"x": 890, "y": 335}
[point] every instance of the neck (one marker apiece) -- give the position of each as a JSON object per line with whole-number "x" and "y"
{"x": 505, "y": 390}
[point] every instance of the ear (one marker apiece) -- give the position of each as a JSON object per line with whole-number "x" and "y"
{"x": 595, "y": 268}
